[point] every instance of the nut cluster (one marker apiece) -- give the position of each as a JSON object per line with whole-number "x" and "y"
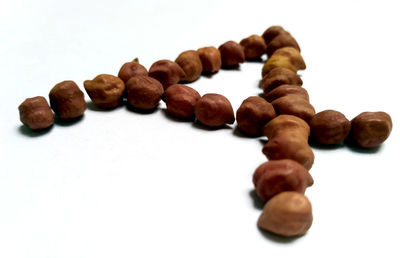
{"x": 284, "y": 114}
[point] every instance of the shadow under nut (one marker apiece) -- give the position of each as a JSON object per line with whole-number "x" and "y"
{"x": 105, "y": 90}
{"x": 36, "y": 113}
{"x": 191, "y": 64}
{"x": 181, "y": 100}
{"x": 67, "y": 100}
{"x": 166, "y": 72}
{"x": 329, "y": 127}
{"x": 214, "y": 110}
{"x": 144, "y": 92}
{"x": 294, "y": 105}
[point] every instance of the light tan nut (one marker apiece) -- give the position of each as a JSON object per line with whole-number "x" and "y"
{"x": 294, "y": 105}
{"x": 190, "y": 62}
{"x": 105, "y": 90}
{"x": 166, "y": 72}
{"x": 232, "y": 53}
{"x": 254, "y": 46}
{"x": 214, "y": 110}
{"x": 181, "y": 100}
{"x": 284, "y": 123}
{"x": 329, "y": 127}
{"x": 293, "y": 55}
{"x": 144, "y": 92}
{"x": 36, "y": 113}
{"x": 210, "y": 58}
{"x": 286, "y": 89}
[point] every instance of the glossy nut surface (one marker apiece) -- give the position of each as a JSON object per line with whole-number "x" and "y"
{"x": 214, "y": 110}
{"x": 191, "y": 64}
{"x": 286, "y": 89}
{"x": 67, "y": 100}
{"x": 279, "y": 76}
{"x": 131, "y": 69}
{"x": 144, "y": 92}
{"x": 181, "y": 100}
{"x": 166, "y": 72}
{"x": 254, "y": 46}
{"x": 105, "y": 90}
{"x": 210, "y": 59}
{"x": 294, "y": 105}
{"x": 329, "y": 127}
{"x": 36, "y": 113}
{"x": 232, "y": 53}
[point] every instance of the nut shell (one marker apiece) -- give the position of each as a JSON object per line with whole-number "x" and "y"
{"x": 67, "y": 100}
{"x": 329, "y": 127}
{"x": 144, "y": 92}
{"x": 36, "y": 113}
{"x": 166, "y": 72}
{"x": 214, "y": 110}
{"x": 181, "y": 100}
{"x": 105, "y": 90}
{"x": 190, "y": 63}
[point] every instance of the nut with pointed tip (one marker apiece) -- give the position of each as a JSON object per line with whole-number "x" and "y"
{"x": 270, "y": 33}
{"x": 214, "y": 110}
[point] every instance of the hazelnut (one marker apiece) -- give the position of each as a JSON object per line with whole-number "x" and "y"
{"x": 293, "y": 55}
{"x": 232, "y": 53}
{"x": 271, "y": 33}
{"x": 278, "y": 76}
{"x": 283, "y": 39}
{"x": 284, "y": 123}
{"x": 286, "y": 89}
{"x": 287, "y": 214}
{"x": 130, "y": 69}
{"x": 276, "y": 176}
{"x": 67, "y": 100}
{"x": 277, "y": 61}
{"x": 181, "y": 100}
{"x": 190, "y": 63}
{"x": 253, "y": 114}
{"x": 144, "y": 92}
{"x": 294, "y": 105}
{"x": 329, "y": 127}
{"x": 166, "y": 72}
{"x": 210, "y": 59}
{"x": 36, "y": 113}
{"x": 214, "y": 110}
{"x": 371, "y": 129}
{"x": 105, "y": 90}
{"x": 254, "y": 46}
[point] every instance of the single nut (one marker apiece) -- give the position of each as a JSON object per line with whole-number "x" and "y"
{"x": 283, "y": 123}
{"x": 105, "y": 90}
{"x": 144, "y": 92}
{"x": 253, "y": 114}
{"x": 284, "y": 90}
{"x": 371, "y": 129}
{"x": 130, "y": 69}
{"x": 166, "y": 72}
{"x": 254, "y": 46}
{"x": 293, "y": 55}
{"x": 276, "y": 176}
{"x": 277, "y": 61}
{"x": 287, "y": 214}
{"x": 67, "y": 100}
{"x": 214, "y": 110}
{"x": 190, "y": 63}
{"x": 181, "y": 100}
{"x": 270, "y": 33}
{"x": 36, "y": 113}
{"x": 284, "y": 39}
{"x": 210, "y": 59}
{"x": 232, "y": 53}
{"x": 329, "y": 127}
{"x": 294, "y": 105}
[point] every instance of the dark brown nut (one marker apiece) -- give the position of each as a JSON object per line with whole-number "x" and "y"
{"x": 272, "y": 32}
{"x": 166, "y": 72}
{"x": 36, "y": 113}
{"x": 284, "y": 90}
{"x": 254, "y": 46}
{"x": 283, "y": 123}
{"x": 144, "y": 92}
{"x": 67, "y": 100}
{"x": 329, "y": 127}
{"x": 190, "y": 63}
{"x": 210, "y": 59}
{"x": 214, "y": 110}
{"x": 105, "y": 90}
{"x": 371, "y": 129}
{"x": 287, "y": 214}
{"x": 181, "y": 100}
{"x": 232, "y": 53}
{"x": 289, "y": 145}
{"x": 294, "y": 105}
{"x": 284, "y": 39}
{"x": 276, "y": 176}
{"x": 279, "y": 76}
{"x": 293, "y": 55}
{"x": 253, "y": 114}
{"x": 130, "y": 69}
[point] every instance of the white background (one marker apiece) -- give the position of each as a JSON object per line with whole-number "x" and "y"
{"x": 124, "y": 184}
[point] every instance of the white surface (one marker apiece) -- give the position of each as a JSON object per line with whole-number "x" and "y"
{"x": 123, "y": 184}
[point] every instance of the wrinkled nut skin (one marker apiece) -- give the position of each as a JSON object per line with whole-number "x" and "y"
{"x": 166, "y": 72}
{"x": 36, "y": 113}
{"x": 329, "y": 127}
{"x": 105, "y": 90}
{"x": 284, "y": 90}
{"x": 254, "y": 46}
{"x": 232, "y": 53}
{"x": 181, "y": 100}
{"x": 253, "y": 114}
{"x": 272, "y": 32}
{"x": 287, "y": 214}
{"x": 190, "y": 63}
{"x": 371, "y": 129}
{"x": 67, "y": 100}
{"x": 294, "y": 105}
{"x": 210, "y": 59}
{"x": 214, "y": 110}
{"x": 284, "y": 39}
{"x": 279, "y": 76}
{"x": 284, "y": 123}
{"x": 276, "y": 176}
{"x": 131, "y": 69}
{"x": 277, "y": 61}
{"x": 293, "y": 55}
{"x": 144, "y": 92}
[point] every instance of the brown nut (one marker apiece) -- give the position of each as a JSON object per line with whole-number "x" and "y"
{"x": 210, "y": 59}
{"x": 190, "y": 63}
{"x": 287, "y": 214}
{"x": 144, "y": 92}
{"x": 294, "y": 105}
{"x": 36, "y": 113}
{"x": 214, "y": 110}
{"x": 276, "y": 176}
{"x": 181, "y": 100}
{"x": 272, "y": 32}
{"x": 293, "y": 55}
{"x": 67, "y": 100}
{"x": 283, "y": 123}
{"x": 284, "y": 39}
{"x": 105, "y": 90}
{"x": 232, "y": 53}
{"x": 130, "y": 69}
{"x": 371, "y": 129}
{"x": 286, "y": 89}
{"x": 279, "y": 76}
{"x": 277, "y": 61}
{"x": 166, "y": 72}
{"x": 253, "y": 114}
{"x": 329, "y": 127}
{"x": 254, "y": 46}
